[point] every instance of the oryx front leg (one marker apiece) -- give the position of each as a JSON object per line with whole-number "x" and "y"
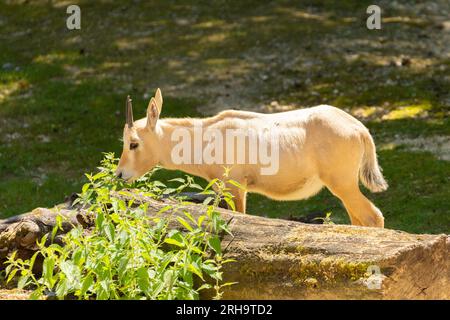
{"x": 239, "y": 198}
{"x": 362, "y": 212}
{"x": 344, "y": 185}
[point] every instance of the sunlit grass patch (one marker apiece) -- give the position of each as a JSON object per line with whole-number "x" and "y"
{"x": 366, "y": 111}
{"x": 411, "y": 111}
{"x": 56, "y": 57}
{"x": 12, "y": 87}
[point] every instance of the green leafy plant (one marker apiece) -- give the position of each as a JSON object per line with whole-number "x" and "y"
{"x": 327, "y": 219}
{"x": 128, "y": 254}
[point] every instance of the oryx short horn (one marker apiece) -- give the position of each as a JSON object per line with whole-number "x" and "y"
{"x": 129, "y": 112}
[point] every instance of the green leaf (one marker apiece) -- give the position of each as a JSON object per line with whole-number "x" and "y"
{"x": 236, "y": 184}
{"x": 230, "y": 202}
{"x": 216, "y": 276}
{"x": 189, "y": 216}
{"x": 164, "y": 209}
{"x": 47, "y": 271}
{"x": 11, "y": 275}
{"x": 215, "y": 219}
{"x": 70, "y": 270}
{"x": 23, "y": 281}
{"x": 13, "y": 255}
{"x": 36, "y": 294}
{"x": 228, "y": 261}
{"x": 62, "y": 288}
{"x": 169, "y": 190}
{"x": 195, "y": 186}
{"x": 86, "y": 284}
{"x": 227, "y": 284}
{"x": 214, "y": 243}
{"x": 109, "y": 231}
{"x": 174, "y": 242}
{"x": 204, "y": 287}
{"x": 156, "y": 289}
{"x": 54, "y": 231}
{"x": 169, "y": 278}
{"x": 159, "y": 184}
{"x": 193, "y": 267}
{"x": 185, "y": 224}
{"x": 143, "y": 279}
{"x": 99, "y": 175}
{"x": 200, "y": 220}
{"x": 85, "y": 187}
{"x": 197, "y": 250}
{"x": 104, "y": 290}
{"x": 210, "y": 184}
{"x": 208, "y": 192}
{"x": 208, "y": 200}
{"x": 209, "y": 268}
{"x": 114, "y": 216}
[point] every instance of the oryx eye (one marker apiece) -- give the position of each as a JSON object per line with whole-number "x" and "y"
{"x": 133, "y": 145}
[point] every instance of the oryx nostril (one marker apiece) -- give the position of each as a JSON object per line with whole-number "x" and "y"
{"x": 119, "y": 175}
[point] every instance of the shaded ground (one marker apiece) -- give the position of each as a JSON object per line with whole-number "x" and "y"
{"x": 62, "y": 92}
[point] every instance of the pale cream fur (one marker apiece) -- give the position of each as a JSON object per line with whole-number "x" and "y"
{"x": 318, "y": 146}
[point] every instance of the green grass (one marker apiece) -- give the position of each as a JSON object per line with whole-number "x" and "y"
{"x": 64, "y": 105}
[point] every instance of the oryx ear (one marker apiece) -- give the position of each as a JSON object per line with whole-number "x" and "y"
{"x": 159, "y": 99}
{"x": 152, "y": 113}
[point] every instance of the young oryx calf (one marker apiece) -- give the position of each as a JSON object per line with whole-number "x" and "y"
{"x": 318, "y": 146}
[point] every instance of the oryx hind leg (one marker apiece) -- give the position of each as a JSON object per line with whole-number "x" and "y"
{"x": 361, "y": 211}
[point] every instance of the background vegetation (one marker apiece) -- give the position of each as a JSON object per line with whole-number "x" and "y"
{"x": 62, "y": 92}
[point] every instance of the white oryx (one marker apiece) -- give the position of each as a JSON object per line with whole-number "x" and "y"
{"x": 318, "y": 146}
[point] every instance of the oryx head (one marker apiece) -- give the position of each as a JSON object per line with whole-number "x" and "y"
{"x": 140, "y": 145}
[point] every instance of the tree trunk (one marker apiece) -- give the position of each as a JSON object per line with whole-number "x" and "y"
{"x": 280, "y": 259}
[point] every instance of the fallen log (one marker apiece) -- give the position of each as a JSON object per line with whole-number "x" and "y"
{"x": 279, "y": 259}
